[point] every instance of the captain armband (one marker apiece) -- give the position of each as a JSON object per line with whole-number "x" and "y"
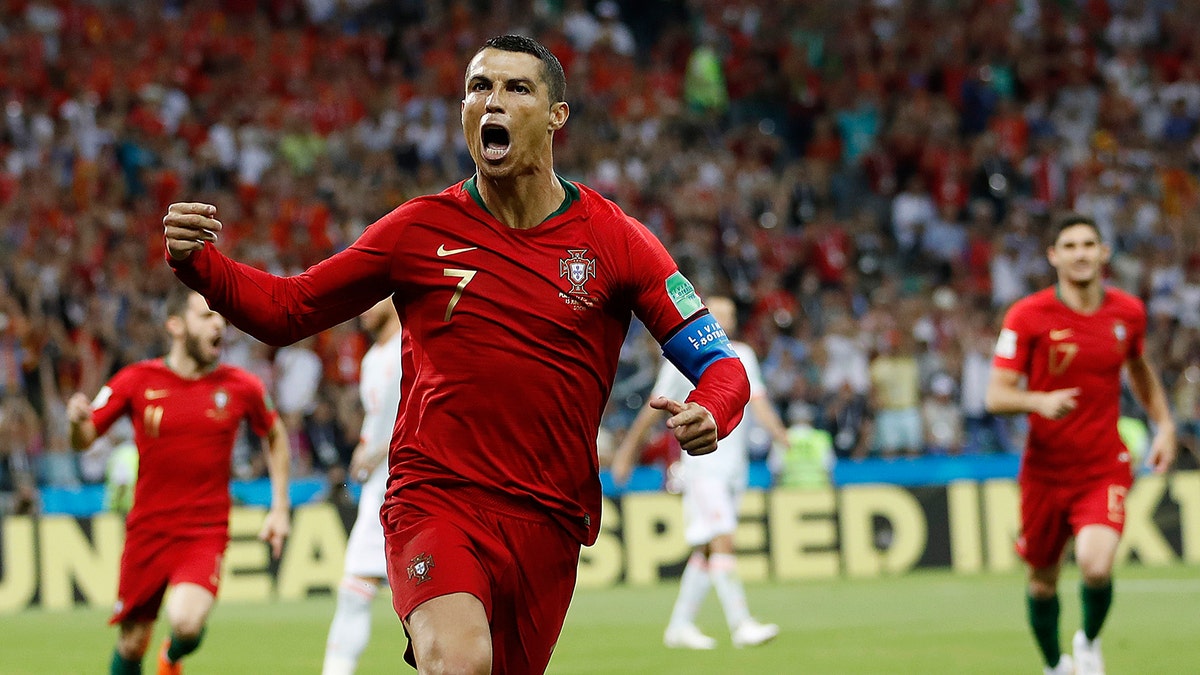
{"x": 697, "y": 345}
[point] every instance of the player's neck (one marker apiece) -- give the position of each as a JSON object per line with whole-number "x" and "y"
{"x": 1083, "y": 298}
{"x": 185, "y": 366}
{"x": 522, "y": 202}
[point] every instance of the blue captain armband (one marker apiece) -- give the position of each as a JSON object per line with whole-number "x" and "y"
{"x": 700, "y": 343}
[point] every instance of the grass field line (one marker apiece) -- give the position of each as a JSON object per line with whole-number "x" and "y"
{"x": 1159, "y": 585}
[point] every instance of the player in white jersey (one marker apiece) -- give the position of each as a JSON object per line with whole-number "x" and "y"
{"x": 366, "y": 565}
{"x": 712, "y": 490}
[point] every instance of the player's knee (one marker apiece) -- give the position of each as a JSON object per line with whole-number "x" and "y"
{"x": 133, "y": 643}
{"x": 463, "y": 655}
{"x": 187, "y": 627}
{"x": 1095, "y": 573}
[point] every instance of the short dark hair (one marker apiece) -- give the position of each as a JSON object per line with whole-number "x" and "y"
{"x": 176, "y": 303}
{"x": 552, "y": 70}
{"x": 1071, "y": 220}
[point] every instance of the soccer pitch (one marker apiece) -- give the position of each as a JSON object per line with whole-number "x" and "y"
{"x": 926, "y": 622}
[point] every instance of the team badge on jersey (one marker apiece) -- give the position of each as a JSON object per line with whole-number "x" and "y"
{"x": 1120, "y": 332}
{"x": 577, "y": 269}
{"x": 220, "y": 400}
{"x": 419, "y": 568}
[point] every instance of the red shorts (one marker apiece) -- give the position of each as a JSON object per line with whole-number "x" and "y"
{"x": 151, "y": 562}
{"x": 1051, "y": 513}
{"x": 517, "y": 561}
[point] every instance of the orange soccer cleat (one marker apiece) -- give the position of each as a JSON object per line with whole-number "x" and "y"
{"x": 165, "y": 666}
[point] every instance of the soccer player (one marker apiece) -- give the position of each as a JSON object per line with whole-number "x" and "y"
{"x": 1070, "y": 342}
{"x": 366, "y": 564}
{"x": 515, "y": 288}
{"x": 186, "y": 409}
{"x": 712, "y": 492}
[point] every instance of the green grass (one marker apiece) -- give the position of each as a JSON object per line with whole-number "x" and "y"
{"x": 929, "y": 622}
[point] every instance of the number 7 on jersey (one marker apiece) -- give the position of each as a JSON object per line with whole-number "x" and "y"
{"x": 464, "y": 278}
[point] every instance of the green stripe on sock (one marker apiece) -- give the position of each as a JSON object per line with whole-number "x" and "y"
{"x": 1043, "y": 619}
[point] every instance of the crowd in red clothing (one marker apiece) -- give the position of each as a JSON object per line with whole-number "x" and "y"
{"x": 869, "y": 180}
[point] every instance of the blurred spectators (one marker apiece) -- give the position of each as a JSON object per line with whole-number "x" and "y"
{"x": 824, "y": 163}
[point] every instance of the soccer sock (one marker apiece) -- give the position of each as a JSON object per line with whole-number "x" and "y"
{"x": 181, "y": 647}
{"x": 693, "y": 586}
{"x": 723, "y": 569}
{"x": 1096, "y": 601}
{"x": 351, "y": 627}
{"x": 1043, "y": 619}
{"x": 123, "y": 666}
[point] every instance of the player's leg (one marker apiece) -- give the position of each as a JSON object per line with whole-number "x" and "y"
{"x": 1095, "y": 551}
{"x": 744, "y": 629}
{"x": 1098, "y": 516}
{"x": 350, "y": 629}
{"x": 187, "y": 609}
{"x": 1044, "y": 534}
{"x": 132, "y": 640}
{"x": 450, "y": 634}
{"x": 364, "y": 570}
{"x": 145, "y": 567}
{"x": 681, "y": 629}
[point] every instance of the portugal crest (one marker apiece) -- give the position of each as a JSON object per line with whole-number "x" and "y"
{"x": 419, "y": 568}
{"x": 577, "y": 269}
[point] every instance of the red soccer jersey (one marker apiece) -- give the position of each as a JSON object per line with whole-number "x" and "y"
{"x": 511, "y": 337}
{"x": 184, "y": 431}
{"x": 1059, "y": 348}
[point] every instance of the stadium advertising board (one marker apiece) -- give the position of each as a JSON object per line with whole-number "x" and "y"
{"x": 56, "y": 562}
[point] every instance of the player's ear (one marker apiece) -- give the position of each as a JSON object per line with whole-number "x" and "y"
{"x": 559, "y": 112}
{"x": 174, "y": 325}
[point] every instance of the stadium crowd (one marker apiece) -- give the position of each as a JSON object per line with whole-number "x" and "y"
{"x": 868, "y": 180}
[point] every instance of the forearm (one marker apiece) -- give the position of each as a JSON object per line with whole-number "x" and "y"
{"x": 1010, "y": 399}
{"x": 278, "y": 458}
{"x": 279, "y": 310}
{"x": 765, "y": 414}
{"x": 82, "y": 434}
{"x": 1148, "y": 389}
{"x": 724, "y": 391}
{"x": 632, "y": 440}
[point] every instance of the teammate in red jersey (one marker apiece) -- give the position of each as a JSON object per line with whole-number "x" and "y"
{"x": 1071, "y": 342}
{"x": 515, "y": 289}
{"x": 186, "y": 410}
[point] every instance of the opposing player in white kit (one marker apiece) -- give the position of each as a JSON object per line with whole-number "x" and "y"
{"x": 366, "y": 566}
{"x": 712, "y": 490}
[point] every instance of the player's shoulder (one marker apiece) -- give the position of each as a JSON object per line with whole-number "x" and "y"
{"x": 454, "y": 198}
{"x": 1123, "y": 300}
{"x": 1045, "y": 299}
{"x": 141, "y": 370}
{"x": 596, "y": 206}
{"x": 228, "y": 374}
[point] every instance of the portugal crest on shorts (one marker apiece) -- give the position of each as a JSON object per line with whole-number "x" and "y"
{"x": 420, "y": 567}
{"x": 577, "y": 269}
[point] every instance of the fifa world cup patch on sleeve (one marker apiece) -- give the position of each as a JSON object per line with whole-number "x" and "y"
{"x": 1006, "y": 344}
{"x": 683, "y": 295}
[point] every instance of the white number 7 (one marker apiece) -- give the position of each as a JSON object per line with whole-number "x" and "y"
{"x": 465, "y": 277}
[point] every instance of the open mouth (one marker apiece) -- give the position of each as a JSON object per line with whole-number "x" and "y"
{"x": 495, "y": 141}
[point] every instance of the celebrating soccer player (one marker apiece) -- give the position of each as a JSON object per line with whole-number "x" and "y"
{"x": 186, "y": 410}
{"x": 515, "y": 288}
{"x": 366, "y": 564}
{"x": 1071, "y": 341}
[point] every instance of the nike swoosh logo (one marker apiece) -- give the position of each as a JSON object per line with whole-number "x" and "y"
{"x": 152, "y": 394}
{"x": 1062, "y": 334}
{"x": 443, "y": 251}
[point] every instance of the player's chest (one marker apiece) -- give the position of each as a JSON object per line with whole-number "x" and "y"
{"x": 558, "y": 276}
{"x": 1085, "y": 343}
{"x": 169, "y": 408}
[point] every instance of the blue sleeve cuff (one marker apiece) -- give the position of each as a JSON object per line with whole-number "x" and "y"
{"x": 697, "y": 345}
